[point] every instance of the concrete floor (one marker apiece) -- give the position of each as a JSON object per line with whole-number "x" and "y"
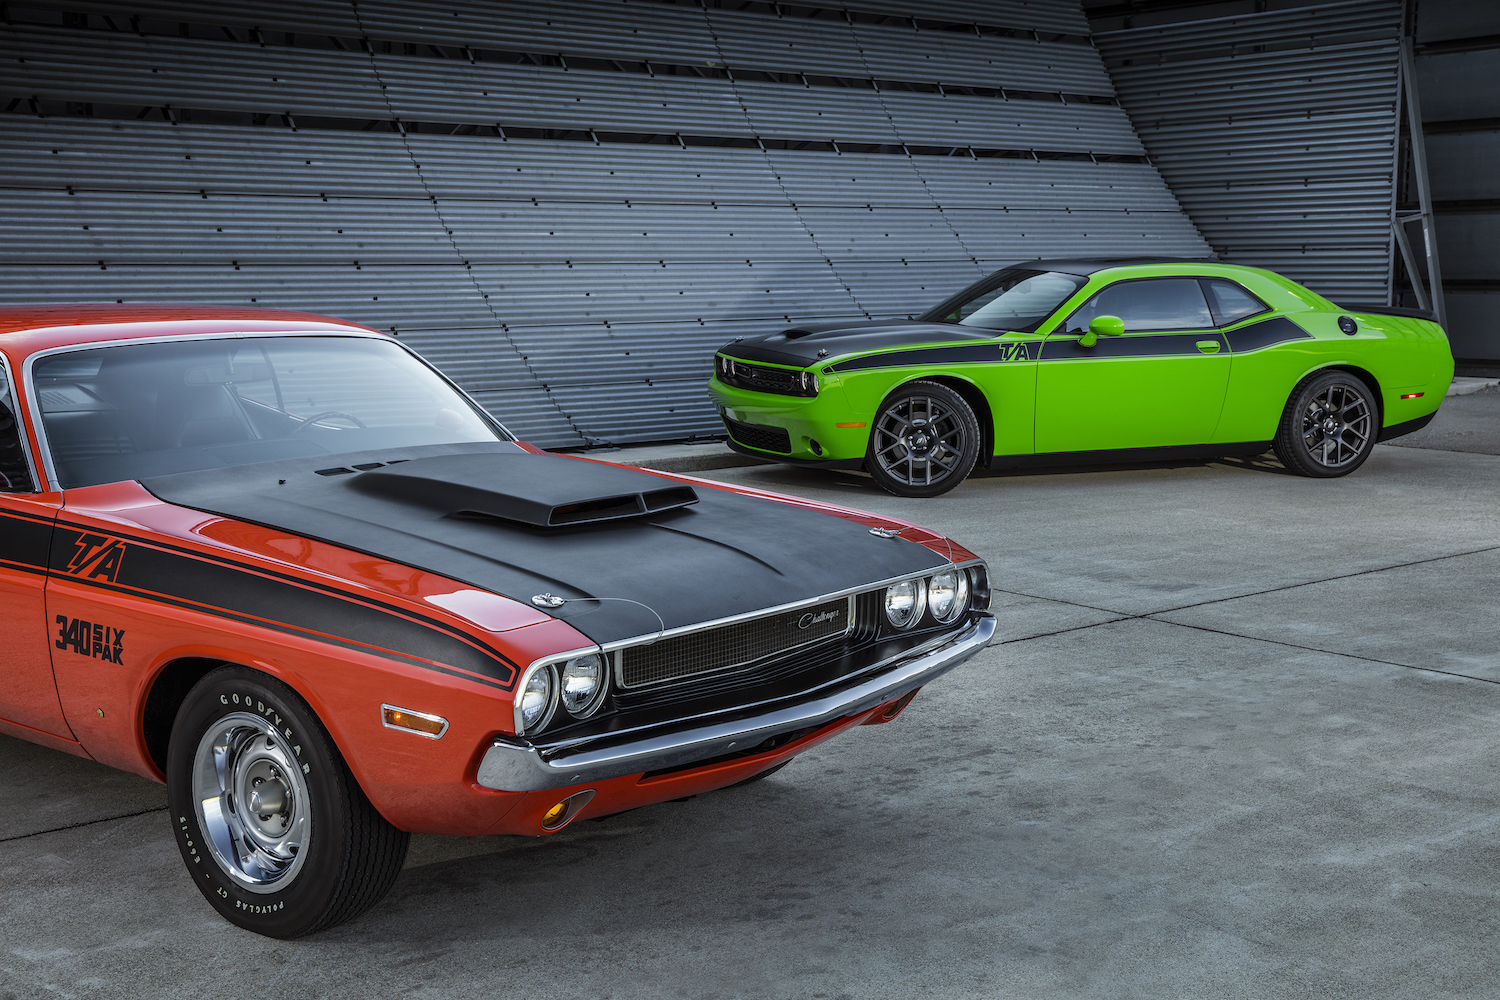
{"x": 1239, "y": 737}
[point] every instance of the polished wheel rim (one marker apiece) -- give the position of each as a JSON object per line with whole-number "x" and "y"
{"x": 253, "y": 802}
{"x": 1336, "y": 425}
{"x": 919, "y": 441}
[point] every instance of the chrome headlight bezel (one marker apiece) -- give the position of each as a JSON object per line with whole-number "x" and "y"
{"x": 544, "y": 673}
{"x": 960, "y": 599}
{"x": 918, "y": 604}
{"x": 591, "y": 704}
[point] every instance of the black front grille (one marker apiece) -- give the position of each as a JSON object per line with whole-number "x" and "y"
{"x": 759, "y": 436}
{"x": 783, "y": 381}
{"x": 738, "y": 646}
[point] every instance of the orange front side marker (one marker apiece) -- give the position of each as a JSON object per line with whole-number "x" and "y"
{"x": 860, "y": 424}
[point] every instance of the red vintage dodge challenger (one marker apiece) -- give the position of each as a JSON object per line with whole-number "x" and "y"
{"x": 278, "y": 562}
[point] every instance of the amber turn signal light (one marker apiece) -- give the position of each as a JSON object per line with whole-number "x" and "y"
{"x": 431, "y": 726}
{"x": 558, "y": 816}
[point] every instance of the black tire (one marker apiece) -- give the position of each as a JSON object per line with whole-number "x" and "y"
{"x": 1329, "y": 427}
{"x": 923, "y": 442}
{"x": 242, "y": 729}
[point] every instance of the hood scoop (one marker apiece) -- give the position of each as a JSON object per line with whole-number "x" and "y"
{"x": 545, "y": 491}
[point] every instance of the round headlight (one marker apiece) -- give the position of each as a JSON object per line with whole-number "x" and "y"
{"x": 948, "y": 594}
{"x": 904, "y": 602}
{"x": 583, "y": 684}
{"x": 534, "y": 704}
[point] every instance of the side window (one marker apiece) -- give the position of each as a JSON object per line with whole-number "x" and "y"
{"x": 15, "y": 476}
{"x": 1150, "y": 304}
{"x": 1230, "y": 302}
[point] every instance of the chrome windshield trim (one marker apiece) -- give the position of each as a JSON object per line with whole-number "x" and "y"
{"x": 517, "y": 767}
{"x": 34, "y": 406}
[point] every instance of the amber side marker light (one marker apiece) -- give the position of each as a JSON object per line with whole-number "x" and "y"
{"x": 431, "y": 726}
{"x": 861, "y": 424}
{"x": 558, "y": 816}
{"x": 1413, "y": 395}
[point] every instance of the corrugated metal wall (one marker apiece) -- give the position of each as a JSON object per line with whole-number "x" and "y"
{"x": 1276, "y": 131}
{"x": 580, "y": 203}
{"x": 1458, "y": 77}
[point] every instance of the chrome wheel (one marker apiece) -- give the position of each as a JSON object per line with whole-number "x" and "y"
{"x": 1336, "y": 425}
{"x": 921, "y": 440}
{"x": 252, "y": 801}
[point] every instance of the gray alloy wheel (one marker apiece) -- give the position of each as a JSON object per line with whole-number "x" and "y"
{"x": 252, "y": 801}
{"x": 924, "y": 441}
{"x": 1329, "y": 427}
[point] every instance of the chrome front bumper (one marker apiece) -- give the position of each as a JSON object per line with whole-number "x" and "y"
{"x": 517, "y": 767}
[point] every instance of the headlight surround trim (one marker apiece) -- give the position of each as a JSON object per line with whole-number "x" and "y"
{"x": 537, "y": 675}
{"x": 956, "y": 585}
{"x": 914, "y": 609}
{"x": 588, "y": 705}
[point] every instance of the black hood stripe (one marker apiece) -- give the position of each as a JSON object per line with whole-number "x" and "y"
{"x": 179, "y": 577}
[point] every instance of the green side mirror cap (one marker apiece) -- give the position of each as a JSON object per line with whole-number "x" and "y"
{"x": 1107, "y": 326}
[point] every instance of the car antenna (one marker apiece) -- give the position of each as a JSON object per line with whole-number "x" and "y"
{"x": 553, "y": 601}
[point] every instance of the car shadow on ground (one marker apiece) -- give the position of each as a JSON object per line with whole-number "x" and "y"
{"x": 800, "y": 476}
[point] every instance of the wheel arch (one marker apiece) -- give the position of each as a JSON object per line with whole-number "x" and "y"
{"x": 169, "y": 689}
{"x": 1367, "y": 377}
{"x": 978, "y": 402}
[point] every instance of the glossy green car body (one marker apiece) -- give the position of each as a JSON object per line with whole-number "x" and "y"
{"x": 1044, "y": 397}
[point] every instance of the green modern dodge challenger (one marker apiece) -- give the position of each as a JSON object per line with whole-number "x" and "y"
{"x": 1074, "y": 361}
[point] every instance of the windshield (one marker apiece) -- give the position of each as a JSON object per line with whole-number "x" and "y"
{"x": 142, "y": 410}
{"x": 1016, "y": 299}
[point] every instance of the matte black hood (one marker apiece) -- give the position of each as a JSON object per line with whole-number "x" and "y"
{"x": 801, "y": 345}
{"x": 449, "y": 509}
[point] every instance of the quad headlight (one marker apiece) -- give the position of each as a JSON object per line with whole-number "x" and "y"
{"x": 578, "y": 684}
{"x": 948, "y": 594}
{"x": 582, "y": 684}
{"x": 904, "y": 602}
{"x": 534, "y": 704}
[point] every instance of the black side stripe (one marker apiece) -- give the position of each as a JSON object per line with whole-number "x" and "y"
{"x": 167, "y": 574}
{"x": 24, "y": 541}
{"x": 275, "y": 626}
{"x": 976, "y": 354}
{"x": 1278, "y": 330}
{"x": 1141, "y": 345}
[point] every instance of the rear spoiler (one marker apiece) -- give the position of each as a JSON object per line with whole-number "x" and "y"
{"x": 1374, "y": 310}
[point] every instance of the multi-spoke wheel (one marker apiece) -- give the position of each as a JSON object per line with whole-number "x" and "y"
{"x": 924, "y": 441}
{"x": 275, "y": 831}
{"x": 1330, "y": 425}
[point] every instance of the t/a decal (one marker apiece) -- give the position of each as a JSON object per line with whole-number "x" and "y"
{"x": 90, "y": 638}
{"x": 96, "y": 557}
{"x": 1015, "y": 352}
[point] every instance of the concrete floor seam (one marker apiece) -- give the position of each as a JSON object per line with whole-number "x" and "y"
{"x": 1311, "y": 583}
{"x": 77, "y": 826}
{"x": 1316, "y": 649}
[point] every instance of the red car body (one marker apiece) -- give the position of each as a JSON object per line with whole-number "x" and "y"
{"x": 96, "y": 661}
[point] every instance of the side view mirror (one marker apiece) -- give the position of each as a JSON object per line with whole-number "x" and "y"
{"x": 1102, "y": 326}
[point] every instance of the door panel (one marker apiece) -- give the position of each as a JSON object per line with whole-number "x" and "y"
{"x": 1161, "y": 383}
{"x": 28, "y": 693}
